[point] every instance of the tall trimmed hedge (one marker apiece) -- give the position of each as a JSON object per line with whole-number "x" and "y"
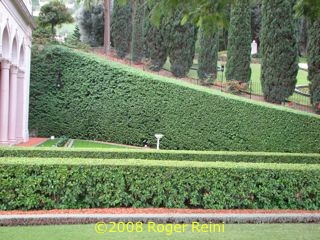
{"x": 92, "y": 183}
{"x": 108, "y": 101}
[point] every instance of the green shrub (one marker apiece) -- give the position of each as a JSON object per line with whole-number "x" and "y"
{"x": 255, "y": 157}
{"x": 107, "y": 101}
{"x": 62, "y": 141}
{"x": 91, "y": 183}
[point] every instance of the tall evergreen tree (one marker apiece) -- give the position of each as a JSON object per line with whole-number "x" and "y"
{"x": 91, "y": 25}
{"x": 279, "y": 50}
{"x": 139, "y": 9}
{"x": 239, "y": 42}
{"x": 121, "y": 28}
{"x": 182, "y": 39}
{"x": 208, "y": 54}
{"x": 314, "y": 62}
{"x": 156, "y": 42}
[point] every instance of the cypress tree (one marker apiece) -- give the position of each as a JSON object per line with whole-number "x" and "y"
{"x": 279, "y": 50}
{"x": 182, "y": 41}
{"x": 76, "y": 34}
{"x": 91, "y": 24}
{"x": 156, "y": 43}
{"x": 121, "y": 28}
{"x": 208, "y": 55}
{"x": 314, "y": 62}
{"x": 138, "y": 30}
{"x": 239, "y": 42}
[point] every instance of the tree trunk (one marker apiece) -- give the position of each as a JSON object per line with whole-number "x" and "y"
{"x": 106, "y": 41}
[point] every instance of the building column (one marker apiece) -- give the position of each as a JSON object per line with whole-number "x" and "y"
{"x": 4, "y": 101}
{"x": 13, "y": 104}
{"x": 20, "y": 106}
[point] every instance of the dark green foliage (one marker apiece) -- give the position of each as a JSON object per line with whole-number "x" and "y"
{"x": 91, "y": 22}
{"x": 314, "y": 63}
{"x": 138, "y": 28}
{"x": 156, "y": 40}
{"x": 107, "y": 101}
{"x": 93, "y": 183}
{"x": 121, "y": 28}
{"x": 203, "y": 156}
{"x": 41, "y": 35}
{"x": 279, "y": 50}
{"x": 182, "y": 41}
{"x": 208, "y": 55}
{"x": 256, "y": 21}
{"x": 239, "y": 42}
{"x": 76, "y": 34}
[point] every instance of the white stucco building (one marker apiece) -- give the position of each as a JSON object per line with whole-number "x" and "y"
{"x": 16, "y": 26}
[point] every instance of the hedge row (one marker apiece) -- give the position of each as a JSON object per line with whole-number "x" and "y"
{"x": 264, "y": 157}
{"x": 89, "y": 183}
{"x": 84, "y": 96}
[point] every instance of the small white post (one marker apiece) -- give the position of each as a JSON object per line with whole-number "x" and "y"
{"x": 158, "y": 137}
{"x": 254, "y": 47}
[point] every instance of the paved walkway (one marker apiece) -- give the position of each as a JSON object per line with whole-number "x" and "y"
{"x": 32, "y": 142}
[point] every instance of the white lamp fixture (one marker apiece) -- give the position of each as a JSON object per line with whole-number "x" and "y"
{"x": 158, "y": 137}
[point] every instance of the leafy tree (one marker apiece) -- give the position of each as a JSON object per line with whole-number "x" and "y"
{"x": 208, "y": 54}
{"x": 279, "y": 50}
{"x": 54, "y": 13}
{"x": 121, "y": 28}
{"x": 182, "y": 39}
{"x": 92, "y": 25}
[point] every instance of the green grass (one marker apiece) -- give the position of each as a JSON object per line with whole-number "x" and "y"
{"x": 49, "y": 143}
{"x": 89, "y": 144}
{"x": 232, "y": 231}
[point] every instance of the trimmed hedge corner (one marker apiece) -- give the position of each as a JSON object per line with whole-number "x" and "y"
{"x": 83, "y": 96}
{"x": 89, "y": 183}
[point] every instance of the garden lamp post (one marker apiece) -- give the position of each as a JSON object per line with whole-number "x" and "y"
{"x": 158, "y": 137}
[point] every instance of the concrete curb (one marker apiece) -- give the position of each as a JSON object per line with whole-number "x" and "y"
{"x": 45, "y": 219}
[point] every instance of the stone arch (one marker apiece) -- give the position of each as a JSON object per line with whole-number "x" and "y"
{"x": 21, "y": 56}
{"x": 14, "y": 51}
{"x": 5, "y": 41}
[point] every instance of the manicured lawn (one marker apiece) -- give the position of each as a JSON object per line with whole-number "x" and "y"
{"x": 90, "y": 144}
{"x": 49, "y": 143}
{"x": 239, "y": 232}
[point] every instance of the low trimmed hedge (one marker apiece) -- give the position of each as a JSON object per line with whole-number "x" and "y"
{"x": 84, "y": 96}
{"x": 264, "y": 157}
{"x": 39, "y": 183}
